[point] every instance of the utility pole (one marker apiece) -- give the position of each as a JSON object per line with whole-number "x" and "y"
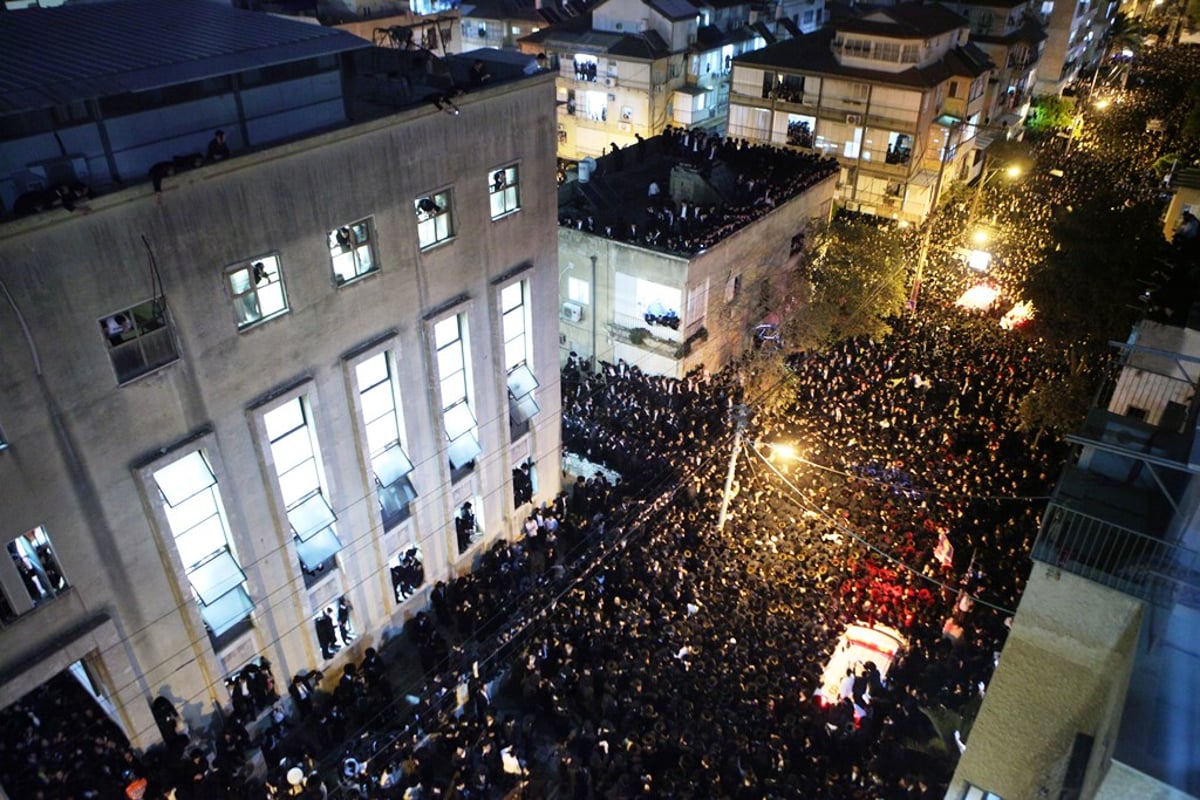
{"x": 743, "y": 416}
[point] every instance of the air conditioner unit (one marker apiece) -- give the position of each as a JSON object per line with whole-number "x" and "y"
{"x": 854, "y": 119}
{"x": 571, "y": 312}
{"x": 610, "y": 82}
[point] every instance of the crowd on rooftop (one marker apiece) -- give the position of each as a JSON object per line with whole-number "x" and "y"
{"x": 763, "y": 177}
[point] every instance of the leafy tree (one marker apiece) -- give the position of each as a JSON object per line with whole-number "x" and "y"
{"x": 853, "y": 279}
{"x": 1057, "y": 405}
{"x": 1049, "y": 113}
{"x": 770, "y": 385}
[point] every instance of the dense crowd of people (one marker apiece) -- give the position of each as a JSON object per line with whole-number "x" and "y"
{"x": 755, "y": 179}
{"x": 629, "y": 645}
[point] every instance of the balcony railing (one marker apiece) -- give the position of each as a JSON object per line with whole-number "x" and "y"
{"x": 1139, "y": 565}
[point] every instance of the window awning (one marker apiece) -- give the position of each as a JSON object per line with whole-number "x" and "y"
{"x": 183, "y": 478}
{"x": 319, "y": 549}
{"x": 391, "y": 465}
{"x": 522, "y": 409}
{"x": 396, "y": 496}
{"x": 310, "y": 516}
{"x": 464, "y": 450}
{"x": 521, "y": 381}
{"x": 458, "y": 420}
{"x": 216, "y": 576}
{"x": 227, "y": 610}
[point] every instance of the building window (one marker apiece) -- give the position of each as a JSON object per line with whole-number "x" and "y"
{"x": 257, "y": 289}
{"x": 334, "y": 628}
{"x": 449, "y": 337}
{"x": 524, "y": 477}
{"x": 435, "y": 223}
{"x": 3, "y": 441}
{"x": 139, "y": 339}
{"x": 857, "y": 47}
{"x": 351, "y": 251}
{"x": 37, "y": 565}
{"x": 467, "y": 530}
{"x": 860, "y": 92}
{"x": 908, "y": 54}
{"x": 887, "y": 51}
{"x": 953, "y": 90}
{"x": 504, "y": 192}
{"x": 516, "y": 325}
{"x": 408, "y": 573}
{"x": 733, "y": 287}
{"x": 579, "y": 291}
{"x": 378, "y": 397}
{"x": 191, "y": 500}
{"x": 294, "y": 448}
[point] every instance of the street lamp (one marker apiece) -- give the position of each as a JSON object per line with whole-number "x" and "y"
{"x": 979, "y": 260}
{"x": 1011, "y": 171}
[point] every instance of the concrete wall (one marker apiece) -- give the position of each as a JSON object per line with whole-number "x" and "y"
{"x": 758, "y": 252}
{"x": 1064, "y": 670}
{"x": 79, "y": 442}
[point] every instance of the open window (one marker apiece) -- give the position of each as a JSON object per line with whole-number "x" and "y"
{"x": 504, "y": 191}
{"x": 378, "y": 396}
{"x": 294, "y": 449}
{"x": 435, "y": 222}
{"x": 139, "y": 339}
{"x": 458, "y": 417}
{"x": 407, "y": 572}
{"x": 519, "y": 377}
{"x": 37, "y": 565}
{"x": 351, "y": 251}
{"x": 257, "y": 291}
{"x": 195, "y": 514}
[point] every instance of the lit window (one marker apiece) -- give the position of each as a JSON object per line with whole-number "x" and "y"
{"x": 407, "y": 572}
{"x": 516, "y": 324}
{"x": 435, "y": 223}
{"x": 139, "y": 339}
{"x": 579, "y": 291}
{"x": 294, "y": 449}
{"x": 350, "y": 251}
{"x": 377, "y": 395}
{"x": 257, "y": 289}
{"x": 457, "y": 416}
{"x": 192, "y": 503}
{"x": 37, "y": 565}
{"x": 503, "y": 192}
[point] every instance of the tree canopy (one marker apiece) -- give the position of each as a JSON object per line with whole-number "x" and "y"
{"x": 854, "y": 279}
{"x": 1050, "y": 113}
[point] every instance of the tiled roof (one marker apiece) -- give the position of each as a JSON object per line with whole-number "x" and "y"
{"x": 907, "y": 20}
{"x": 674, "y": 9}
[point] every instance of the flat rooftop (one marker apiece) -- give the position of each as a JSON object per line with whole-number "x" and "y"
{"x": 707, "y": 189}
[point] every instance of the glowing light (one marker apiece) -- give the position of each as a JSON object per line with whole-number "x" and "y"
{"x": 1017, "y": 316}
{"x": 978, "y": 298}
{"x": 1013, "y": 171}
{"x": 1127, "y": 53}
{"x": 785, "y": 451}
{"x": 980, "y": 237}
{"x": 1101, "y": 104}
{"x": 979, "y": 260}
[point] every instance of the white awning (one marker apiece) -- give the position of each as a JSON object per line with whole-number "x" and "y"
{"x": 216, "y": 576}
{"x": 227, "y": 610}
{"x": 310, "y": 516}
{"x": 464, "y": 450}
{"x": 319, "y": 549}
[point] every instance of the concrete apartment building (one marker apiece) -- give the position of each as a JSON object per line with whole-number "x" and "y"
{"x": 1011, "y": 34}
{"x": 897, "y": 95}
{"x": 1097, "y": 692}
{"x": 669, "y": 306}
{"x": 231, "y": 403}
{"x": 630, "y": 68}
{"x": 1074, "y": 30}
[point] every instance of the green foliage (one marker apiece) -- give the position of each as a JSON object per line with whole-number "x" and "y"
{"x": 1058, "y": 405}
{"x": 855, "y": 278}
{"x": 770, "y": 385}
{"x": 1049, "y": 113}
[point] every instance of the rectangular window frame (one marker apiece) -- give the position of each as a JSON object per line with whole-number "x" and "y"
{"x": 378, "y": 401}
{"x": 38, "y": 566}
{"x": 516, "y": 323}
{"x": 504, "y": 191}
{"x": 143, "y": 343}
{"x": 579, "y": 290}
{"x": 456, "y": 392}
{"x": 435, "y": 218}
{"x": 294, "y": 445}
{"x": 266, "y": 272}
{"x": 225, "y": 611}
{"x": 353, "y": 243}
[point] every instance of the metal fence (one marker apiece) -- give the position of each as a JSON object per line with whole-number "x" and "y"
{"x": 1121, "y": 558}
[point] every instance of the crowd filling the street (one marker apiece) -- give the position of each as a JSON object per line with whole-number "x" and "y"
{"x": 640, "y": 641}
